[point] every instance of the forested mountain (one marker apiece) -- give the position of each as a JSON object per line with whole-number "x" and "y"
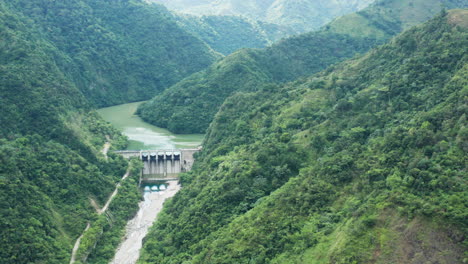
{"x": 364, "y": 162}
{"x": 113, "y": 50}
{"x": 227, "y": 34}
{"x": 195, "y": 100}
{"x": 49, "y": 140}
{"x": 57, "y": 60}
{"x": 302, "y": 15}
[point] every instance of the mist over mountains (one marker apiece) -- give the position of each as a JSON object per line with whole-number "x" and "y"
{"x": 303, "y": 15}
{"x": 196, "y": 99}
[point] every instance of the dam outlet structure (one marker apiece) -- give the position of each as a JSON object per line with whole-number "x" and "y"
{"x": 162, "y": 164}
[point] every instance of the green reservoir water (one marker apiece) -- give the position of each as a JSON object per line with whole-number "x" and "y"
{"x": 142, "y": 135}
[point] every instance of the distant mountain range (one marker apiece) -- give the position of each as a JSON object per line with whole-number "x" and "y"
{"x": 301, "y": 15}
{"x": 364, "y": 163}
{"x": 195, "y": 100}
{"x": 227, "y": 34}
{"x": 306, "y": 158}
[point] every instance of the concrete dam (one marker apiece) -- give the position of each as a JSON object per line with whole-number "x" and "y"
{"x": 162, "y": 165}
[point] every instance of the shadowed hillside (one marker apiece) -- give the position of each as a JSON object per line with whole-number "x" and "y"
{"x": 114, "y": 51}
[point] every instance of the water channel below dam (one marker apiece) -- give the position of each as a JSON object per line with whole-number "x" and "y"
{"x": 143, "y": 136}
{"x": 137, "y": 228}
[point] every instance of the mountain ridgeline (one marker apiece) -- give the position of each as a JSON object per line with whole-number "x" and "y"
{"x": 227, "y": 34}
{"x": 364, "y": 162}
{"x": 300, "y": 16}
{"x": 113, "y": 51}
{"x": 195, "y": 100}
{"x": 58, "y": 59}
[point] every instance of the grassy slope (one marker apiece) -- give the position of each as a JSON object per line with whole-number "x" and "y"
{"x": 195, "y": 100}
{"x": 362, "y": 163}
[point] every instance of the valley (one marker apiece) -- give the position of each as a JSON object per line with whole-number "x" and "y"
{"x": 266, "y": 132}
{"x": 143, "y": 136}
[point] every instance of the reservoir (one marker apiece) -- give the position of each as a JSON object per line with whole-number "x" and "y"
{"x": 143, "y": 136}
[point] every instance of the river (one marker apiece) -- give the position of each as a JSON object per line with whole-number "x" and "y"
{"x": 144, "y": 136}
{"x": 137, "y": 228}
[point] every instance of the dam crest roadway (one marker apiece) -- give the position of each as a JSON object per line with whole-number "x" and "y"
{"x": 162, "y": 164}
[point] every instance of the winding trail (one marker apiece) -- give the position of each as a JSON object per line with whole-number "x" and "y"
{"x": 94, "y": 205}
{"x": 137, "y": 228}
{"x": 77, "y": 244}
{"x": 106, "y": 147}
{"x": 106, "y": 206}
{"x": 99, "y": 211}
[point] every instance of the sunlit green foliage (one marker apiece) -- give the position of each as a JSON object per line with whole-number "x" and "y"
{"x": 50, "y": 142}
{"x": 190, "y": 105}
{"x": 362, "y": 163}
{"x": 100, "y": 243}
{"x": 45, "y": 188}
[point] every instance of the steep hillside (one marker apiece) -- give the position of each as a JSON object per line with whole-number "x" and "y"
{"x": 50, "y": 142}
{"x": 113, "y": 51}
{"x": 387, "y": 18}
{"x": 195, "y": 100}
{"x": 35, "y": 94}
{"x": 227, "y": 34}
{"x": 362, "y": 163}
{"x": 302, "y": 16}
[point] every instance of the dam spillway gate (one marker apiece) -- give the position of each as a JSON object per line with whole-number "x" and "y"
{"x": 162, "y": 165}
